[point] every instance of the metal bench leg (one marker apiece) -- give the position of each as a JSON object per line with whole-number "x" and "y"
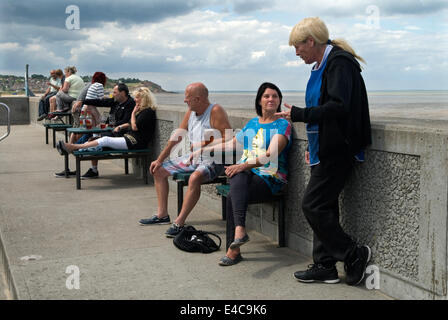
{"x": 54, "y": 138}
{"x": 281, "y": 224}
{"x": 145, "y": 169}
{"x": 126, "y": 166}
{"x": 78, "y": 173}
{"x": 224, "y": 208}
{"x": 46, "y": 135}
{"x": 66, "y": 165}
{"x": 66, "y": 136}
{"x": 180, "y": 196}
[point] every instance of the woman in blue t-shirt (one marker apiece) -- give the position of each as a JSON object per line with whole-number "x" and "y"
{"x": 262, "y": 169}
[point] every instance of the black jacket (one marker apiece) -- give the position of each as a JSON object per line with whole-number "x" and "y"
{"x": 122, "y": 111}
{"x": 343, "y": 111}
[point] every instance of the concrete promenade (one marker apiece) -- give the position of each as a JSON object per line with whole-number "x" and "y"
{"x": 96, "y": 229}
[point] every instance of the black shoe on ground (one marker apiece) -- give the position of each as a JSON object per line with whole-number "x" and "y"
{"x": 318, "y": 273}
{"x": 42, "y": 117}
{"x": 90, "y": 174}
{"x": 155, "y": 220}
{"x": 173, "y": 230}
{"x": 62, "y": 174}
{"x": 355, "y": 267}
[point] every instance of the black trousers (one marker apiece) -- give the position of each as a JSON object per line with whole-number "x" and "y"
{"x": 244, "y": 187}
{"x": 321, "y": 208}
{"x": 44, "y": 105}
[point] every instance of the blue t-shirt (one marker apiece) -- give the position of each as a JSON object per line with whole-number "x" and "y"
{"x": 312, "y": 97}
{"x": 255, "y": 138}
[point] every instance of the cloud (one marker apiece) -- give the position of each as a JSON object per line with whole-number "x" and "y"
{"x": 93, "y": 13}
{"x": 228, "y": 50}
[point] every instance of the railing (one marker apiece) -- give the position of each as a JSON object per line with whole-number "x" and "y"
{"x": 9, "y": 121}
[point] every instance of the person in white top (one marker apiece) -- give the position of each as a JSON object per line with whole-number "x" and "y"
{"x": 54, "y": 84}
{"x": 73, "y": 85}
{"x": 200, "y": 117}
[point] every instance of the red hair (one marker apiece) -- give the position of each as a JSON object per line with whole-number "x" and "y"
{"x": 99, "y": 77}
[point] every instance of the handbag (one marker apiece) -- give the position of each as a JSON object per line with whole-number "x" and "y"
{"x": 191, "y": 240}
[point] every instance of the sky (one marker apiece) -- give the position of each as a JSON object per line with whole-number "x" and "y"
{"x": 226, "y": 44}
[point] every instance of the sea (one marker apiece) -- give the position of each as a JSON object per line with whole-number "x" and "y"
{"x": 417, "y": 104}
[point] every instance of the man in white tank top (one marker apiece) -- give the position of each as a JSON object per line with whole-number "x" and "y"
{"x": 200, "y": 117}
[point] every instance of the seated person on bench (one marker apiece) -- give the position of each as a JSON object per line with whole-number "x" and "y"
{"x": 140, "y": 129}
{"x": 200, "y": 117}
{"x": 262, "y": 169}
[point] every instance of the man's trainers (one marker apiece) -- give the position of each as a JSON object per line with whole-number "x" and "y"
{"x": 42, "y": 117}
{"x": 318, "y": 273}
{"x": 355, "y": 266}
{"x": 62, "y": 174}
{"x": 155, "y": 220}
{"x": 173, "y": 230}
{"x": 90, "y": 174}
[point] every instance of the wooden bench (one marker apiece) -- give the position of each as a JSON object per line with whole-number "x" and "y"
{"x": 109, "y": 154}
{"x": 223, "y": 191}
{"x": 56, "y": 127}
{"x": 182, "y": 181}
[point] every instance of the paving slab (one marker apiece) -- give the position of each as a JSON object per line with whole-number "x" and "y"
{"x": 95, "y": 230}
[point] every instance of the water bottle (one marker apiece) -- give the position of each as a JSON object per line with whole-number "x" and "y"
{"x": 88, "y": 120}
{"x": 82, "y": 118}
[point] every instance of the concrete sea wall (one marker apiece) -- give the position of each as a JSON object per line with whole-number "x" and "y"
{"x": 396, "y": 202}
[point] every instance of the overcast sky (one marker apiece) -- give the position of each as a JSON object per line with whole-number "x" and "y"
{"x": 227, "y": 44}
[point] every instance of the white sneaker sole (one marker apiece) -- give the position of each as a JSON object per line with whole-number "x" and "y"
{"x": 321, "y": 281}
{"x": 154, "y": 224}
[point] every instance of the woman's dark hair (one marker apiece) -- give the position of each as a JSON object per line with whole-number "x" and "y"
{"x": 123, "y": 87}
{"x": 99, "y": 77}
{"x": 261, "y": 90}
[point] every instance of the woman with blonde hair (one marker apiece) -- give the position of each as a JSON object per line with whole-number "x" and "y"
{"x": 73, "y": 84}
{"x": 338, "y": 130}
{"x": 139, "y": 130}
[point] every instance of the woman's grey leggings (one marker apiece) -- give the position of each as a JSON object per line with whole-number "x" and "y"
{"x": 244, "y": 187}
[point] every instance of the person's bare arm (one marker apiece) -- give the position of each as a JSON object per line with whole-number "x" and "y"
{"x": 175, "y": 138}
{"x": 65, "y": 87}
{"x": 276, "y": 146}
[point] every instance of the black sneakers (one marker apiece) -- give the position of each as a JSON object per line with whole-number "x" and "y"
{"x": 90, "y": 174}
{"x": 155, "y": 220}
{"x": 62, "y": 174}
{"x": 356, "y": 264}
{"x": 173, "y": 230}
{"x": 317, "y": 273}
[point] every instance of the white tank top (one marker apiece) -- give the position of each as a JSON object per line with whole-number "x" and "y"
{"x": 197, "y": 125}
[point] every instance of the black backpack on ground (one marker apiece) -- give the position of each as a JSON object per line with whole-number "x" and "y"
{"x": 191, "y": 240}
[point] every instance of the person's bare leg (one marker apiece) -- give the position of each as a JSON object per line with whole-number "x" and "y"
{"x": 233, "y": 253}
{"x": 162, "y": 190}
{"x": 53, "y": 104}
{"x": 74, "y": 137}
{"x": 191, "y": 196}
{"x": 95, "y": 163}
{"x": 72, "y": 147}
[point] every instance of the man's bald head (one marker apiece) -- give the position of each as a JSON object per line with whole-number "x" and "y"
{"x": 196, "y": 97}
{"x": 198, "y": 89}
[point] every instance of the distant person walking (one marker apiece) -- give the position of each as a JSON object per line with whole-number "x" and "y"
{"x": 338, "y": 129}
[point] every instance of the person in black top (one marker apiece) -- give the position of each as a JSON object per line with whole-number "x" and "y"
{"x": 137, "y": 133}
{"x": 121, "y": 106}
{"x": 338, "y": 129}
